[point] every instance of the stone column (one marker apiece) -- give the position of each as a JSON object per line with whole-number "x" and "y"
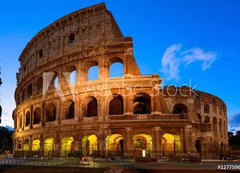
{"x": 189, "y": 144}
{"x": 157, "y": 140}
{"x": 41, "y": 145}
{"x": 43, "y": 115}
{"x": 127, "y": 145}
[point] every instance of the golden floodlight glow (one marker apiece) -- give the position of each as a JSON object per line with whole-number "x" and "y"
{"x": 66, "y": 144}
{"x": 89, "y": 144}
{"x": 36, "y": 145}
{"x": 143, "y": 141}
{"x": 171, "y": 144}
{"x": 112, "y": 141}
{"x": 26, "y": 146}
{"x": 48, "y": 145}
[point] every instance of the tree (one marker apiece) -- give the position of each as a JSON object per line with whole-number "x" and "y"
{"x": 5, "y": 139}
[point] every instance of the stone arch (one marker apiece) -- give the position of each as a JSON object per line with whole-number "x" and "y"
{"x": 40, "y": 53}
{"x": 201, "y": 146}
{"x": 36, "y": 145}
{"x": 115, "y": 145}
{"x": 92, "y": 71}
{"x": 116, "y": 105}
{"x": 53, "y": 79}
{"x": 67, "y": 146}
{"x": 71, "y": 37}
{"x": 23, "y": 95}
{"x": 39, "y": 85}
{"x": 27, "y": 119}
{"x": 142, "y": 104}
{"x": 29, "y": 90}
{"x": 90, "y": 108}
{"x": 142, "y": 141}
{"x": 49, "y": 144}
{"x": 90, "y": 145}
{"x": 180, "y": 109}
{"x": 206, "y": 109}
{"x": 70, "y": 109}
{"x": 171, "y": 144}
{"x": 116, "y": 67}
{"x": 20, "y": 121}
{"x": 70, "y": 75}
{"x": 37, "y": 115}
{"x": 207, "y": 119}
{"x": 50, "y": 112}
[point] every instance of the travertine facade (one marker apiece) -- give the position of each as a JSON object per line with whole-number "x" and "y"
{"x": 120, "y": 116}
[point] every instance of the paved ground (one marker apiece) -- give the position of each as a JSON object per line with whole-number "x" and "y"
{"x": 103, "y": 166}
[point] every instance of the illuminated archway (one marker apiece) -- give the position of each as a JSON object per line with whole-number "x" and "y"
{"x": 89, "y": 145}
{"x": 171, "y": 144}
{"x": 48, "y": 146}
{"x": 36, "y": 145}
{"x": 200, "y": 145}
{"x": 115, "y": 145}
{"x": 142, "y": 142}
{"x": 67, "y": 145}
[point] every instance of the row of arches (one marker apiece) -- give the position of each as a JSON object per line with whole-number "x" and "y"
{"x": 51, "y": 79}
{"x": 90, "y": 107}
{"x": 114, "y": 145}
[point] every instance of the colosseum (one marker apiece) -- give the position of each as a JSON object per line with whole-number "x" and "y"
{"x": 61, "y": 112}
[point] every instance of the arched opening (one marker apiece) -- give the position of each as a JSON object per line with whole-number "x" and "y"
{"x": 116, "y": 105}
{"x": 48, "y": 146}
{"x": 40, "y": 53}
{"x": 200, "y": 145}
{"x": 39, "y": 85}
{"x": 29, "y": 91}
{"x": 71, "y": 38}
{"x": 206, "y": 109}
{"x": 23, "y": 95}
{"x": 171, "y": 145}
{"x": 91, "y": 107}
{"x": 37, "y": 115}
{"x": 27, "y": 119}
{"x": 142, "y": 104}
{"x": 116, "y": 67}
{"x": 51, "y": 112}
{"x": 89, "y": 145}
{"x": 50, "y": 78}
{"x": 36, "y": 145}
{"x": 142, "y": 144}
{"x": 67, "y": 146}
{"x": 70, "y": 109}
{"x": 115, "y": 145}
{"x": 93, "y": 71}
{"x": 73, "y": 77}
{"x": 180, "y": 109}
{"x": 215, "y": 130}
{"x": 207, "y": 119}
{"x": 20, "y": 121}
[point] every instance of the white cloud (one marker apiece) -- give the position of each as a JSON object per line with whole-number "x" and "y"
{"x": 173, "y": 58}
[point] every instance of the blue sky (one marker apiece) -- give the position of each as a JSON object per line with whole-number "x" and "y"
{"x": 180, "y": 40}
